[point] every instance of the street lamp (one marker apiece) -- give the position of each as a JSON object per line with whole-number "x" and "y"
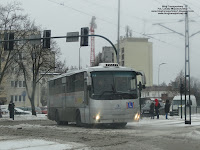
{"x": 159, "y": 74}
{"x": 159, "y": 71}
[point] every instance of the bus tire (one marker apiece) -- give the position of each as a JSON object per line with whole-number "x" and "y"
{"x": 57, "y": 119}
{"x": 78, "y": 119}
{"x": 65, "y": 123}
{"x": 122, "y": 125}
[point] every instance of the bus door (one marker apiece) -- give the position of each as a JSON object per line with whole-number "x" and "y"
{"x": 86, "y": 99}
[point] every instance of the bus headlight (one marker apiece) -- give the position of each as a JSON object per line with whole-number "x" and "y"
{"x": 97, "y": 117}
{"x": 137, "y": 117}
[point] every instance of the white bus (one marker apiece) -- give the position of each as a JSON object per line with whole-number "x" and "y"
{"x": 105, "y": 94}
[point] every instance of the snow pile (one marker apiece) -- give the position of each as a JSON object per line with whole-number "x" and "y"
{"x": 25, "y": 117}
{"x": 33, "y": 144}
{"x": 191, "y": 135}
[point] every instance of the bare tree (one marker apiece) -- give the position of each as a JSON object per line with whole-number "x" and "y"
{"x": 61, "y": 66}
{"x": 11, "y": 20}
{"x": 194, "y": 85}
{"x": 28, "y": 59}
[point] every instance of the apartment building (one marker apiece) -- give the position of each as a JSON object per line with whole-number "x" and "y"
{"x": 137, "y": 53}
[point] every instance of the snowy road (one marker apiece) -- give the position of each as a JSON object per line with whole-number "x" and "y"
{"x": 30, "y": 132}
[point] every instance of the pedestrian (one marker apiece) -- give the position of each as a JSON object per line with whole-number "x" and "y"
{"x": 151, "y": 111}
{"x": 11, "y": 107}
{"x": 157, "y": 106}
{"x": 167, "y": 106}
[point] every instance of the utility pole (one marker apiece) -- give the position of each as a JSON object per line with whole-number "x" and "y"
{"x": 118, "y": 33}
{"x": 187, "y": 68}
{"x": 187, "y": 63}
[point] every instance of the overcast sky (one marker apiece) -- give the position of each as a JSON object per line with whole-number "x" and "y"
{"x": 62, "y": 16}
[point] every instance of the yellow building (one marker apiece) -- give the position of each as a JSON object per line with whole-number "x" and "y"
{"x": 137, "y": 53}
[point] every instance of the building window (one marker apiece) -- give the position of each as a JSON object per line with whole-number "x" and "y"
{"x": 24, "y": 84}
{"x": 123, "y": 50}
{"x": 20, "y": 83}
{"x": 112, "y": 57}
{"x": 147, "y": 93}
{"x": 122, "y": 63}
{"x": 24, "y": 98}
{"x": 12, "y": 83}
{"x": 122, "y": 56}
{"x": 15, "y": 83}
{"x": 20, "y": 98}
{"x": 11, "y": 98}
{"x": 15, "y": 97}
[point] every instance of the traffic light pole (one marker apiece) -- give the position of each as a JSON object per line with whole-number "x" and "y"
{"x": 58, "y": 37}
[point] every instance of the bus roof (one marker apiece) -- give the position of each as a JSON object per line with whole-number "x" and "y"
{"x": 101, "y": 67}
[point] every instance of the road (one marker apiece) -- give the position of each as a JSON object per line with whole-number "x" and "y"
{"x": 144, "y": 135}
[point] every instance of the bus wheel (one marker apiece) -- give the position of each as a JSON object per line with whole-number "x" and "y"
{"x": 78, "y": 119}
{"x": 65, "y": 123}
{"x": 58, "y": 119}
{"x": 122, "y": 125}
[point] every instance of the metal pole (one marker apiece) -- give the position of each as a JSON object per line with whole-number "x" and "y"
{"x": 158, "y": 79}
{"x": 79, "y": 66}
{"x": 181, "y": 91}
{"x": 187, "y": 67}
{"x": 118, "y": 33}
{"x": 159, "y": 74}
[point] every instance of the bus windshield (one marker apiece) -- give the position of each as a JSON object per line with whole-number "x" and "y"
{"x": 114, "y": 85}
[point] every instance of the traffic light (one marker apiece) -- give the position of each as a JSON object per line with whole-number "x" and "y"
{"x": 182, "y": 89}
{"x": 84, "y": 36}
{"x": 10, "y": 44}
{"x": 46, "y": 38}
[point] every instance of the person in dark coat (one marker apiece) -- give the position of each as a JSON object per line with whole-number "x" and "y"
{"x": 167, "y": 106}
{"x": 11, "y": 107}
{"x": 157, "y": 106}
{"x": 151, "y": 111}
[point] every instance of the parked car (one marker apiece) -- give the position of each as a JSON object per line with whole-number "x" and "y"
{"x": 146, "y": 109}
{"x": 19, "y": 111}
{"x": 4, "y": 109}
{"x": 44, "y": 109}
{"x": 37, "y": 109}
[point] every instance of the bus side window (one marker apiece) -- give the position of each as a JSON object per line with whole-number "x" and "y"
{"x": 67, "y": 84}
{"x": 79, "y": 82}
{"x": 71, "y": 83}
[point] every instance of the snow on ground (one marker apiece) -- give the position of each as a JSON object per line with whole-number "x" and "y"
{"x": 7, "y": 143}
{"x": 172, "y": 120}
{"x": 25, "y": 117}
{"x": 10, "y": 143}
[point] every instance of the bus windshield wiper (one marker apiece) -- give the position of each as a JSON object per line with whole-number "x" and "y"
{"x": 105, "y": 92}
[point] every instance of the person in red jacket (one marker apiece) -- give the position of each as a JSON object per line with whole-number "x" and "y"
{"x": 157, "y": 106}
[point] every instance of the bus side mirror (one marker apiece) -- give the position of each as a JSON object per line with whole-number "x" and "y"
{"x": 143, "y": 79}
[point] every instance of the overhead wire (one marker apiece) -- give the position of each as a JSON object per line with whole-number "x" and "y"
{"x": 63, "y": 5}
